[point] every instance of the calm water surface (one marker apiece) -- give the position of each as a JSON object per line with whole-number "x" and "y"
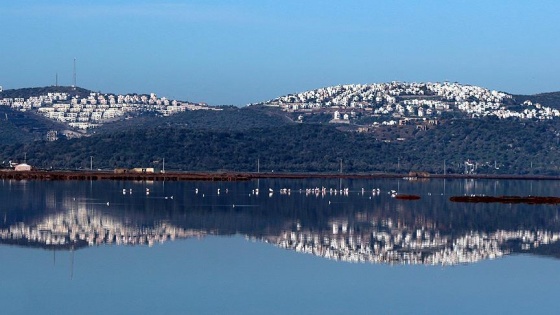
{"x": 292, "y": 247}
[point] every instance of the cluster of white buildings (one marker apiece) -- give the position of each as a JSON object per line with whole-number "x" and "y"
{"x": 400, "y": 99}
{"x": 97, "y": 108}
{"x": 389, "y": 243}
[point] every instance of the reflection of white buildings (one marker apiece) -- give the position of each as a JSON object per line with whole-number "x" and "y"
{"x": 88, "y": 227}
{"x": 385, "y": 243}
{"x": 364, "y": 238}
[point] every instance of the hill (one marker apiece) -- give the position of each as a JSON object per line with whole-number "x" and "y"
{"x": 38, "y": 91}
{"x": 397, "y": 102}
{"x": 21, "y": 127}
{"x": 551, "y": 99}
{"x": 485, "y": 146}
{"x": 226, "y": 118}
{"x": 460, "y": 132}
{"x": 350, "y": 106}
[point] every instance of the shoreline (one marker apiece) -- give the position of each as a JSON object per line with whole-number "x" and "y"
{"x": 241, "y": 176}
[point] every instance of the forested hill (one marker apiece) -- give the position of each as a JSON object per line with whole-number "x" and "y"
{"x": 21, "y": 127}
{"x": 226, "y": 118}
{"x": 37, "y": 91}
{"x": 492, "y": 146}
{"x": 231, "y": 138}
{"x": 551, "y": 99}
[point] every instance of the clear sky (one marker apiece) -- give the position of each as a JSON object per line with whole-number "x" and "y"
{"x": 238, "y": 52}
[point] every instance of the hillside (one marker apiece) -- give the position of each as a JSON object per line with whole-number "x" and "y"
{"x": 19, "y": 127}
{"x": 81, "y": 109}
{"x": 402, "y": 127}
{"x": 551, "y": 99}
{"x": 404, "y": 102}
{"x": 350, "y": 106}
{"x": 490, "y": 146}
{"x": 38, "y": 91}
{"x": 227, "y": 118}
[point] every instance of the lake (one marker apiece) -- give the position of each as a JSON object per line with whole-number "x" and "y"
{"x": 320, "y": 246}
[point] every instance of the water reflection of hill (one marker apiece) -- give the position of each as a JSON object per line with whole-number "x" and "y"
{"x": 358, "y": 227}
{"x": 549, "y": 250}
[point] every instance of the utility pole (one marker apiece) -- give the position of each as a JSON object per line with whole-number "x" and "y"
{"x": 258, "y": 165}
{"x": 91, "y": 163}
{"x": 340, "y": 166}
{"x": 163, "y": 171}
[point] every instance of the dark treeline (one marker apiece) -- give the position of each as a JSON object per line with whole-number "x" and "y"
{"x": 19, "y": 127}
{"x": 225, "y": 118}
{"x": 493, "y": 146}
{"x": 36, "y": 91}
{"x": 551, "y": 99}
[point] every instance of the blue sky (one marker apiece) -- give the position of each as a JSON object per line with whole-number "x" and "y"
{"x": 238, "y": 52}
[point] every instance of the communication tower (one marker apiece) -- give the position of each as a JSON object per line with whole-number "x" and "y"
{"x": 74, "y": 75}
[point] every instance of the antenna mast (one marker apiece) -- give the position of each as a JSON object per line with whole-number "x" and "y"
{"x": 74, "y": 75}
